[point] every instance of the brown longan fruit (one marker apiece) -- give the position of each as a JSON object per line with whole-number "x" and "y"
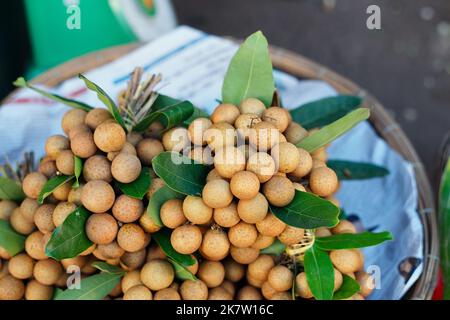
{"x": 79, "y": 261}
{"x": 248, "y": 293}
{"x": 234, "y": 271}
{"x": 101, "y": 228}
{"x": 201, "y": 155}
{"x": 267, "y": 291}
{"x": 35, "y": 245}
{"x": 301, "y": 286}
{"x": 33, "y": 183}
{"x": 157, "y": 183}
{"x": 271, "y": 226}
{"x": 227, "y": 217}
{"x": 318, "y": 164}
{"x": 134, "y": 138}
{"x": 219, "y": 293}
{"x": 97, "y": 167}
{"x": 131, "y": 237}
{"x": 215, "y": 245}
{"x": 263, "y": 136}
{"x": 257, "y": 283}
{"x": 282, "y": 296}
{"x": 186, "y": 239}
{"x": 344, "y": 226}
{"x": 225, "y": 112}
{"x": 217, "y": 194}
{"x": 280, "y": 278}
{"x": 171, "y": 213}
{"x": 320, "y": 154}
{"x": 242, "y": 235}
{"x": 322, "y": 232}
{"x": 366, "y": 282}
{"x": 133, "y": 260}
{"x": 346, "y": 260}
{"x": 253, "y": 210}
{"x": 213, "y": 175}
{"x": 110, "y": 136}
{"x": 82, "y": 144}
{"x": 96, "y": 117}
{"x": 155, "y": 252}
{"x": 229, "y": 287}
{"x": 176, "y": 139}
{"x": 263, "y": 242}
{"x": 277, "y": 116}
{"x": 260, "y": 268}
{"x": 244, "y": 185}
{"x": 75, "y": 195}
{"x": 126, "y": 168}
{"x": 196, "y": 130}
{"x": 252, "y": 105}
{"x": 338, "y": 279}
{"x": 127, "y": 209}
{"x": 4, "y": 255}
{"x": 128, "y": 148}
{"x": 244, "y": 124}
{"x": 65, "y": 162}
{"x": 323, "y": 181}
{"x": 157, "y": 274}
{"x": 295, "y": 133}
{"x": 81, "y": 128}
{"x": 147, "y": 223}
{"x": 244, "y": 255}
{"x": 194, "y": 290}
{"x": 73, "y": 118}
{"x": 7, "y": 207}
{"x": 43, "y": 218}
{"x": 195, "y": 210}
{"x": 147, "y": 149}
{"x": 287, "y": 157}
{"x": 47, "y": 271}
{"x": 20, "y": 224}
{"x": 138, "y": 292}
{"x": 167, "y": 294}
{"x": 131, "y": 279}
{"x": 62, "y": 192}
{"x": 21, "y": 266}
{"x": 279, "y": 191}
{"x": 62, "y": 211}
{"x": 212, "y": 273}
{"x": 55, "y": 144}
{"x": 291, "y": 235}
{"x": 305, "y": 165}
{"x": 111, "y": 250}
{"x": 48, "y": 168}
{"x": 11, "y": 288}
{"x": 220, "y": 135}
{"x": 38, "y": 291}
{"x": 229, "y": 160}
{"x": 97, "y": 196}
{"x": 262, "y": 164}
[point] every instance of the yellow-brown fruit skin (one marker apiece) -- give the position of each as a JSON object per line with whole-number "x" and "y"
{"x": 217, "y": 194}
{"x": 33, "y": 184}
{"x": 249, "y": 293}
{"x": 323, "y": 181}
{"x": 35, "y": 245}
{"x": 65, "y": 162}
{"x": 171, "y": 213}
{"x": 252, "y": 105}
{"x": 244, "y": 185}
{"x": 263, "y": 242}
{"x": 47, "y": 168}
{"x": 215, "y": 245}
{"x": 176, "y": 139}
{"x": 262, "y": 164}
{"x": 291, "y": 235}
{"x": 263, "y": 136}
{"x": 167, "y": 294}
{"x": 28, "y": 208}
{"x": 138, "y": 292}
{"x": 279, "y": 191}
{"x": 271, "y": 226}
{"x": 260, "y": 268}
{"x": 244, "y": 255}
{"x": 194, "y": 290}
{"x": 347, "y": 260}
{"x": 212, "y": 273}
{"x": 196, "y": 211}
{"x": 242, "y": 235}
{"x": 147, "y": 149}
{"x": 301, "y": 286}
{"x": 287, "y": 157}
{"x": 186, "y": 239}
{"x": 11, "y": 288}
{"x": 43, "y": 218}
{"x": 157, "y": 274}
{"x": 97, "y": 168}
{"x": 253, "y": 210}
{"x": 220, "y": 135}
{"x": 83, "y": 145}
{"x": 127, "y": 209}
{"x": 97, "y": 196}
{"x": 234, "y": 271}
{"x": 344, "y": 226}
{"x": 227, "y": 217}
{"x": 7, "y": 207}
{"x": 366, "y": 282}
{"x": 55, "y": 144}
{"x": 126, "y": 168}
{"x": 21, "y": 266}
{"x": 96, "y": 117}
{"x": 295, "y": 133}
{"x": 20, "y": 224}
{"x": 244, "y": 123}
{"x": 228, "y": 161}
{"x": 220, "y": 294}
{"x": 73, "y": 118}
{"x": 305, "y": 165}
{"x": 131, "y": 237}
{"x": 101, "y": 228}
{"x": 277, "y": 116}
{"x": 197, "y": 130}
{"x": 225, "y": 113}
{"x": 280, "y": 278}
{"x": 110, "y": 136}
{"x": 47, "y": 271}
{"x": 38, "y": 291}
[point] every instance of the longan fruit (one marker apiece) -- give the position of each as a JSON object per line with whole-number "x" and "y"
{"x": 194, "y": 290}
{"x": 267, "y": 291}
{"x": 263, "y": 136}
{"x": 277, "y": 116}
{"x": 11, "y": 288}
{"x": 219, "y": 293}
{"x": 260, "y": 268}
{"x": 227, "y": 217}
{"x": 35, "y": 246}
{"x": 79, "y": 261}
{"x": 4, "y": 255}
{"x": 126, "y": 168}
{"x": 147, "y": 149}
{"x": 147, "y": 223}
{"x": 83, "y": 145}
{"x": 225, "y": 112}
{"x": 134, "y": 138}
{"x": 7, "y": 207}
{"x": 110, "y": 251}
{"x": 346, "y": 260}
{"x": 302, "y": 287}
{"x": 195, "y": 210}
{"x": 287, "y": 157}
{"x": 101, "y": 228}
{"x": 72, "y": 118}
{"x": 323, "y": 181}
{"x": 249, "y": 293}
{"x": 229, "y": 287}
{"x": 299, "y": 187}
{"x": 244, "y": 255}
{"x": 38, "y": 291}
{"x": 196, "y": 130}
{"x": 75, "y": 195}
{"x": 96, "y": 117}
{"x": 244, "y": 185}
{"x": 48, "y": 168}
{"x": 234, "y": 271}
{"x": 156, "y": 184}
{"x": 62, "y": 211}
{"x": 271, "y": 226}
{"x": 20, "y": 224}
{"x": 110, "y": 136}
{"x": 244, "y": 123}
{"x": 47, "y": 271}
{"x": 282, "y": 296}
{"x": 167, "y": 294}
{"x": 322, "y": 232}
{"x": 128, "y": 148}
{"x": 131, "y": 279}
{"x": 279, "y": 191}
{"x": 291, "y": 235}
{"x": 366, "y": 282}
{"x": 253, "y": 210}
{"x": 338, "y": 279}
{"x": 131, "y": 237}
{"x": 213, "y": 175}
{"x": 55, "y": 144}
{"x": 97, "y": 167}
{"x": 176, "y": 139}
{"x": 252, "y": 105}
{"x": 33, "y": 183}
{"x": 139, "y": 292}
{"x": 228, "y": 161}
{"x": 155, "y": 130}
{"x": 344, "y": 226}
{"x": 212, "y": 273}
{"x": 320, "y": 154}
{"x": 263, "y": 242}
{"x": 262, "y": 164}
{"x": 21, "y": 266}
{"x": 65, "y": 162}
{"x": 155, "y": 252}
{"x": 157, "y": 274}
{"x": 217, "y": 194}
{"x": 215, "y": 245}
{"x": 186, "y": 239}
{"x": 133, "y": 260}
{"x": 127, "y": 209}
{"x": 220, "y": 135}
{"x": 295, "y": 133}
{"x": 62, "y": 192}
{"x": 334, "y": 201}
{"x": 280, "y": 278}
{"x": 242, "y": 235}
{"x": 201, "y": 155}
{"x": 97, "y": 196}
{"x": 81, "y": 128}
{"x": 43, "y": 218}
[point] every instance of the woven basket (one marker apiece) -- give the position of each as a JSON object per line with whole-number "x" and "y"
{"x": 301, "y": 67}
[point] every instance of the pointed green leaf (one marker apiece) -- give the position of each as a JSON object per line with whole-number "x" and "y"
{"x": 319, "y": 273}
{"x": 139, "y": 187}
{"x": 352, "y": 240}
{"x": 444, "y": 219}
{"x": 78, "y": 170}
{"x": 10, "y": 240}
{"x": 10, "y": 190}
{"x": 276, "y": 248}
{"x": 181, "y": 272}
{"x": 52, "y": 185}
{"x": 349, "y": 288}
{"x": 156, "y": 201}
{"x": 107, "y": 268}
{"x": 350, "y": 170}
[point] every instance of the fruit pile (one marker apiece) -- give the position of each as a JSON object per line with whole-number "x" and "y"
{"x": 153, "y": 200}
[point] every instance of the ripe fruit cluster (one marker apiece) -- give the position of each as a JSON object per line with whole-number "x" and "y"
{"x": 223, "y": 230}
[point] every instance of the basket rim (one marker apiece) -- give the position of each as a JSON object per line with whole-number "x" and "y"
{"x": 300, "y": 66}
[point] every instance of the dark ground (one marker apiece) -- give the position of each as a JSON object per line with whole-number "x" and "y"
{"x": 406, "y": 65}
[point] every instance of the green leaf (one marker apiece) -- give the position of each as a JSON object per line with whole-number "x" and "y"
{"x": 349, "y": 170}
{"x": 21, "y": 83}
{"x": 139, "y": 187}
{"x": 78, "y": 170}
{"x": 10, "y": 240}
{"x": 107, "y": 268}
{"x": 69, "y": 239}
{"x": 250, "y": 73}
{"x": 95, "y": 287}
{"x": 52, "y": 185}
{"x": 103, "y": 97}
{"x": 352, "y": 240}
{"x": 307, "y": 211}
{"x": 319, "y": 273}
{"x": 334, "y": 130}
{"x": 322, "y": 112}
{"x": 276, "y": 248}
{"x": 444, "y": 215}
{"x": 180, "y": 173}
{"x": 162, "y": 238}
{"x": 181, "y": 272}
{"x": 156, "y": 201}
{"x": 10, "y": 190}
{"x": 348, "y": 288}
